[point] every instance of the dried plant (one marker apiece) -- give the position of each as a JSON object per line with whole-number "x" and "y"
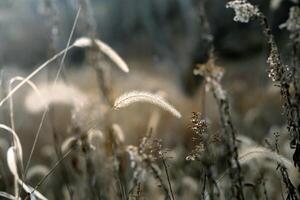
{"x": 213, "y": 75}
{"x": 293, "y": 23}
{"x": 14, "y": 161}
{"x": 137, "y": 96}
{"x": 202, "y": 139}
{"x": 143, "y": 162}
{"x": 105, "y": 50}
{"x": 244, "y": 11}
{"x": 97, "y": 154}
{"x": 204, "y": 143}
{"x": 284, "y": 77}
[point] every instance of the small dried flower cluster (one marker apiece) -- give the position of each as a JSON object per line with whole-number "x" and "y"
{"x": 293, "y": 22}
{"x": 201, "y": 137}
{"x": 153, "y": 149}
{"x": 147, "y": 152}
{"x": 213, "y": 76}
{"x": 244, "y": 11}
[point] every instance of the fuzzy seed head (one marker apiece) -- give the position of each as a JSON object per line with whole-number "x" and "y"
{"x": 139, "y": 96}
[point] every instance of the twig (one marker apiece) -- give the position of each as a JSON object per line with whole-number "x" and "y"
{"x": 50, "y": 172}
{"x": 168, "y": 177}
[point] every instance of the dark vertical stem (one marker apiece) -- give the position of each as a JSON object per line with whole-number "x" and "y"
{"x": 203, "y": 109}
{"x": 229, "y": 130}
{"x": 265, "y": 190}
{"x": 204, "y": 186}
{"x": 168, "y": 177}
{"x": 157, "y": 176}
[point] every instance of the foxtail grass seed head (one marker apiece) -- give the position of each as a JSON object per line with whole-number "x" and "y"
{"x": 145, "y": 97}
{"x": 105, "y": 49}
{"x": 83, "y": 42}
{"x": 95, "y": 134}
{"x": 12, "y": 161}
{"x": 12, "y": 165}
{"x": 16, "y": 142}
{"x": 68, "y": 143}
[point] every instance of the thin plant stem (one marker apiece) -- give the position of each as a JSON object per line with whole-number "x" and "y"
{"x": 168, "y": 178}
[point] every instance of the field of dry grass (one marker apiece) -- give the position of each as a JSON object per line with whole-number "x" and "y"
{"x": 176, "y": 110}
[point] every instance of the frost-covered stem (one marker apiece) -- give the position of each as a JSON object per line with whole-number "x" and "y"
{"x": 104, "y": 82}
{"x": 208, "y": 185}
{"x": 295, "y": 84}
{"x": 158, "y": 177}
{"x": 286, "y": 78}
{"x": 203, "y": 106}
{"x": 230, "y": 131}
{"x": 138, "y": 192}
{"x": 141, "y": 148}
{"x": 291, "y": 194}
{"x": 277, "y": 69}
{"x": 203, "y": 187}
{"x": 54, "y": 26}
{"x": 88, "y": 22}
{"x": 265, "y": 190}
{"x": 212, "y": 185}
{"x": 50, "y": 12}
{"x": 90, "y": 168}
{"x": 116, "y": 163}
{"x": 88, "y": 26}
{"x": 103, "y": 72}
